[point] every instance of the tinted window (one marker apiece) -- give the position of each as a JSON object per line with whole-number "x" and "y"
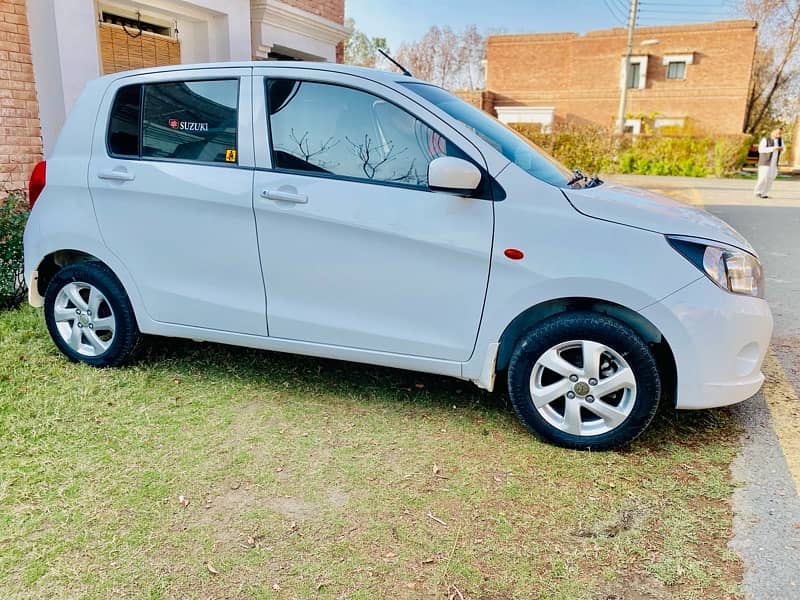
{"x": 519, "y": 150}
{"x": 325, "y": 128}
{"x": 123, "y": 125}
{"x": 191, "y": 120}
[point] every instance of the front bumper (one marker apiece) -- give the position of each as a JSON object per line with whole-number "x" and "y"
{"x": 719, "y": 341}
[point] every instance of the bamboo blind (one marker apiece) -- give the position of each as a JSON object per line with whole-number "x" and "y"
{"x": 120, "y": 52}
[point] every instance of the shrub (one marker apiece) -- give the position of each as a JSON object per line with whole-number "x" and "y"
{"x": 587, "y": 147}
{"x": 730, "y": 154}
{"x": 660, "y": 155}
{"x": 13, "y": 215}
{"x": 596, "y": 149}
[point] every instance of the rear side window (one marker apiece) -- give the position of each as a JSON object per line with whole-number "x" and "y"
{"x": 123, "y": 126}
{"x": 194, "y": 121}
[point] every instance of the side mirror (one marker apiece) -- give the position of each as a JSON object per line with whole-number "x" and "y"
{"x": 453, "y": 175}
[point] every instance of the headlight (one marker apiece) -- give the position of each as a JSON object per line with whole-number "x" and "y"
{"x": 731, "y": 269}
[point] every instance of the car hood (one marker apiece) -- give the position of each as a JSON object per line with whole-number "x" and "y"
{"x": 654, "y": 212}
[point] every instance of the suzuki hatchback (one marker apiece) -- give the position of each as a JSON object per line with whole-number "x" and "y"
{"x": 367, "y": 216}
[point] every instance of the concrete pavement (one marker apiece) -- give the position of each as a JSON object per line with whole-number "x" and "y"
{"x": 767, "y": 505}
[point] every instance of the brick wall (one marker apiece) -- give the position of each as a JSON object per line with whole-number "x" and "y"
{"x": 482, "y": 99}
{"x": 332, "y": 10}
{"x": 20, "y": 134}
{"x": 579, "y": 75}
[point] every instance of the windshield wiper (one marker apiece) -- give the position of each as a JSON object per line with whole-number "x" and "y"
{"x": 579, "y": 176}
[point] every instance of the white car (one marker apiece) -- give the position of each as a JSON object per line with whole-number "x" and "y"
{"x": 368, "y": 216}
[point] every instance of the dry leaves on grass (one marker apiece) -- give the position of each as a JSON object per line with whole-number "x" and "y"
{"x": 454, "y": 593}
{"x": 437, "y": 519}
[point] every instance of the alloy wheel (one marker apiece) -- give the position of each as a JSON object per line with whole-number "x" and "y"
{"x": 583, "y": 388}
{"x": 84, "y": 318}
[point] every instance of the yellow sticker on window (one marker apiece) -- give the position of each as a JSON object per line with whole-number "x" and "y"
{"x": 230, "y": 155}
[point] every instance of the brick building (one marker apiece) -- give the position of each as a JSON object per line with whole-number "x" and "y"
{"x": 679, "y": 75}
{"x": 20, "y": 133}
{"x": 49, "y": 49}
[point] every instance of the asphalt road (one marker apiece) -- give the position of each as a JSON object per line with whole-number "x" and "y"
{"x": 766, "y": 506}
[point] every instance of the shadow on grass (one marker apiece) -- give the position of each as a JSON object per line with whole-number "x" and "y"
{"x": 395, "y": 387}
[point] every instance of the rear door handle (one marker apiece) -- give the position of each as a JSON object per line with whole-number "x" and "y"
{"x": 116, "y": 175}
{"x": 284, "y": 196}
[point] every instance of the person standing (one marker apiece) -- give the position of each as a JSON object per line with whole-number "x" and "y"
{"x": 769, "y": 152}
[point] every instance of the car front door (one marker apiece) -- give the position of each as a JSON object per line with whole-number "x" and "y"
{"x": 171, "y": 180}
{"x": 356, "y": 250}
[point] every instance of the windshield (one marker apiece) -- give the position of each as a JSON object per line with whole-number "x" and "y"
{"x": 516, "y": 148}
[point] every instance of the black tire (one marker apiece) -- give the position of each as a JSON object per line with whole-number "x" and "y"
{"x": 126, "y": 334}
{"x": 592, "y": 327}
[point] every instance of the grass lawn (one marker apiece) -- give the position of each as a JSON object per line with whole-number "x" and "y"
{"x": 312, "y": 478}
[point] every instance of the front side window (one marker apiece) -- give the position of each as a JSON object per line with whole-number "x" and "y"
{"x": 179, "y": 120}
{"x": 331, "y": 129}
{"x": 676, "y": 70}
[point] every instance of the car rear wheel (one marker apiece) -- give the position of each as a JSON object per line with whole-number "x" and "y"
{"x": 89, "y": 316}
{"x": 585, "y": 381}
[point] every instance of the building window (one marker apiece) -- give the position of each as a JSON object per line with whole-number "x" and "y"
{"x": 634, "y": 71}
{"x": 675, "y": 123}
{"x": 676, "y": 64}
{"x": 134, "y": 24}
{"x": 636, "y": 75}
{"x": 633, "y": 126}
{"x": 542, "y": 115}
{"x": 676, "y": 70}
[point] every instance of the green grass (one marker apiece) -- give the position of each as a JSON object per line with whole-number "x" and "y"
{"x": 317, "y": 477}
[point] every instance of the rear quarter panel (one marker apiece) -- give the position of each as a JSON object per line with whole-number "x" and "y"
{"x": 63, "y": 216}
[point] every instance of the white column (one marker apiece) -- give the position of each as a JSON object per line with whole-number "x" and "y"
{"x": 65, "y": 56}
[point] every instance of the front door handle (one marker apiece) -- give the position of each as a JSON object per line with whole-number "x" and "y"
{"x": 117, "y": 175}
{"x": 285, "y": 195}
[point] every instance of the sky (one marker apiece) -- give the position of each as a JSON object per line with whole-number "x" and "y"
{"x": 408, "y": 20}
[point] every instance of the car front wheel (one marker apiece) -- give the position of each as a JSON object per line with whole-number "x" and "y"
{"x": 89, "y": 316}
{"x": 585, "y": 381}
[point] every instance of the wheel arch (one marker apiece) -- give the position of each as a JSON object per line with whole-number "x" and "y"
{"x": 52, "y": 263}
{"x": 642, "y": 326}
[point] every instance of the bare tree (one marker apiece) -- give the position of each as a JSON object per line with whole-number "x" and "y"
{"x": 373, "y": 156}
{"x": 776, "y": 70}
{"x": 450, "y": 59}
{"x": 306, "y": 153}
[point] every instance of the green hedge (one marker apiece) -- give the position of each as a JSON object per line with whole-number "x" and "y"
{"x": 13, "y": 215}
{"x": 596, "y": 150}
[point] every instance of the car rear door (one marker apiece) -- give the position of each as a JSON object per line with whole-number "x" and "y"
{"x": 171, "y": 180}
{"x": 356, "y": 250}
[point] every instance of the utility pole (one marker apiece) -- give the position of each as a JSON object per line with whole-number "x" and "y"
{"x": 626, "y": 65}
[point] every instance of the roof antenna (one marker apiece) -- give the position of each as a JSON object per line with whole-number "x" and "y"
{"x": 396, "y": 64}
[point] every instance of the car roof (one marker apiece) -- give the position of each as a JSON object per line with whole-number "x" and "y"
{"x": 390, "y": 77}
